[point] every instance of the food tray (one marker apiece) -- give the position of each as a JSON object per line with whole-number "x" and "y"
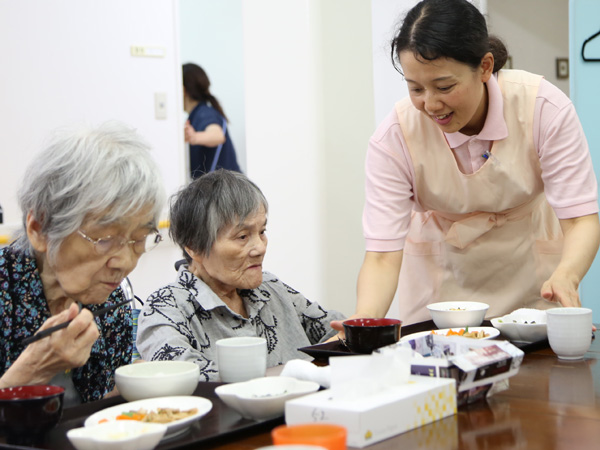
{"x": 322, "y": 352}
{"x": 220, "y": 424}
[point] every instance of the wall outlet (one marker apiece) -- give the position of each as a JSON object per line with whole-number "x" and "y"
{"x": 160, "y": 105}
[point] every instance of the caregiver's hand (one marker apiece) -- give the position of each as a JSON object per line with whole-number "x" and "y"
{"x": 337, "y": 325}
{"x": 559, "y": 289}
{"x": 63, "y": 350}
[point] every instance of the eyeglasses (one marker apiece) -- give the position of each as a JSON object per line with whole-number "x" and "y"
{"x": 112, "y": 244}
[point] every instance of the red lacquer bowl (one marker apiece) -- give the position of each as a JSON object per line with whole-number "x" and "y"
{"x": 366, "y": 335}
{"x": 28, "y": 412}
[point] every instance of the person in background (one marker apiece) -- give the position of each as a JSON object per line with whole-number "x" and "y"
{"x": 219, "y": 220}
{"x": 206, "y": 128}
{"x": 90, "y": 202}
{"x": 479, "y": 185}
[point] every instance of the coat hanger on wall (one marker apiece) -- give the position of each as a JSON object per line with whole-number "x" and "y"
{"x": 583, "y": 48}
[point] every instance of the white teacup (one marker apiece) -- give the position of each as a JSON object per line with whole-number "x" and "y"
{"x": 569, "y": 331}
{"x": 241, "y": 358}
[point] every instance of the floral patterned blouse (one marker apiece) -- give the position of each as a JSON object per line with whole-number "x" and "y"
{"x": 23, "y": 309}
{"x": 183, "y": 320}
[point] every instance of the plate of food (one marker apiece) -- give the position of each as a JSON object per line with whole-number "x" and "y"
{"x": 468, "y": 332}
{"x": 178, "y": 413}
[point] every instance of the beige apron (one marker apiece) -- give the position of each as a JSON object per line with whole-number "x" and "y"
{"x": 489, "y": 236}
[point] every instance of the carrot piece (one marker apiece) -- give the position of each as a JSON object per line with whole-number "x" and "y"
{"x": 124, "y": 417}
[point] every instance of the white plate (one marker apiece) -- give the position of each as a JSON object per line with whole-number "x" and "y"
{"x": 493, "y": 332}
{"x": 182, "y": 402}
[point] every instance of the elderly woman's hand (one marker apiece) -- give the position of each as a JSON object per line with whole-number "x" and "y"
{"x": 61, "y": 351}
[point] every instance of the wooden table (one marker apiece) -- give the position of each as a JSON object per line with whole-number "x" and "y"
{"x": 549, "y": 404}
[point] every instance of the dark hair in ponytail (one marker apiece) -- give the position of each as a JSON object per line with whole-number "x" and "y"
{"x": 447, "y": 29}
{"x": 197, "y": 84}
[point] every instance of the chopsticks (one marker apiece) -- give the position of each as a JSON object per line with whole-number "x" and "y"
{"x": 47, "y": 332}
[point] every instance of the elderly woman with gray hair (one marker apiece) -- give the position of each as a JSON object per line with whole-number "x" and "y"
{"x": 90, "y": 202}
{"x": 219, "y": 221}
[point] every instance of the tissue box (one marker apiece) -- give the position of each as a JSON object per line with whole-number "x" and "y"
{"x": 475, "y": 364}
{"x": 378, "y": 416}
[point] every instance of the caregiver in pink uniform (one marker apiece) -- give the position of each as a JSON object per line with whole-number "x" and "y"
{"x": 480, "y": 185}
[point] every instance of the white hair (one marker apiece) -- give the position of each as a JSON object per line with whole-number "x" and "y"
{"x": 106, "y": 171}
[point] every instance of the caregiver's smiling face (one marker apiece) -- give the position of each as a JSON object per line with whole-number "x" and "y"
{"x": 452, "y": 94}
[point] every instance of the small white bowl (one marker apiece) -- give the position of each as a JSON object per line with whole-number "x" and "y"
{"x": 264, "y": 398}
{"x": 457, "y": 314}
{"x": 523, "y": 325}
{"x": 117, "y": 435}
{"x": 157, "y": 379}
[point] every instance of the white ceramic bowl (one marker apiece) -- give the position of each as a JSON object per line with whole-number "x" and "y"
{"x": 157, "y": 379}
{"x": 457, "y": 314}
{"x": 117, "y": 435}
{"x": 523, "y": 325}
{"x": 264, "y": 398}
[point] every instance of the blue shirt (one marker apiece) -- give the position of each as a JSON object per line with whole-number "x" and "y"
{"x": 201, "y": 157}
{"x": 23, "y": 309}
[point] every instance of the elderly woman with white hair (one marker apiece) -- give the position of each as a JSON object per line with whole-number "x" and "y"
{"x": 219, "y": 221}
{"x": 91, "y": 203}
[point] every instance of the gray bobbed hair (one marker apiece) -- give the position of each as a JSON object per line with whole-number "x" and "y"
{"x": 106, "y": 171}
{"x": 210, "y": 204}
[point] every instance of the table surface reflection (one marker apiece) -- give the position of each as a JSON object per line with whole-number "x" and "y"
{"x": 549, "y": 404}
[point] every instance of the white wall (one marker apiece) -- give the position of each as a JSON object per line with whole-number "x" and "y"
{"x": 536, "y": 32}
{"x": 389, "y": 86}
{"x": 309, "y": 114}
{"x": 69, "y": 61}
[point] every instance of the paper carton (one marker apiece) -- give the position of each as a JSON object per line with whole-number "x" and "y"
{"x": 373, "y": 418}
{"x": 475, "y": 364}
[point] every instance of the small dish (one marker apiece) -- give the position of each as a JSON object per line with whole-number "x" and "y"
{"x": 523, "y": 325}
{"x": 457, "y": 314}
{"x": 492, "y": 332}
{"x": 118, "y": 435}
{"x": 264, "y": 398}
{"x": 152, "y": 404}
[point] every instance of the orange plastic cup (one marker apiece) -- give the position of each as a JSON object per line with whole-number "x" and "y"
{"x": 330, "y": 436}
